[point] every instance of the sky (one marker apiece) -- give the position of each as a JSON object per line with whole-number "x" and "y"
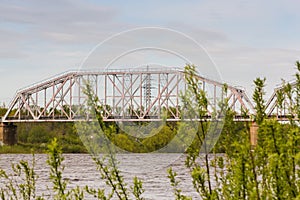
{"x": 244, "y": 39}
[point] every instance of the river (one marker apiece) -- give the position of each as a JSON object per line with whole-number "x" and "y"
{"x": 80, "y": 170}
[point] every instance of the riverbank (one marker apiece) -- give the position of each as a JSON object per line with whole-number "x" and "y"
{"x": 22, "y": 148}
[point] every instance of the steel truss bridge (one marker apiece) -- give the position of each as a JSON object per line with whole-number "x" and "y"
{"x": 125, "y": 95}
{"x": 283, "y": 112}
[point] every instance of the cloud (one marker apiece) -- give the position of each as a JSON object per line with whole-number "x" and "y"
{"x": 60, "y": 13}
{"x": 62, "y": 21}
{"x": 10, "y": 42}
{"x": 245, "y": 39}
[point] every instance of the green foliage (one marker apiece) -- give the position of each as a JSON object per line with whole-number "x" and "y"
{"x": 55, "y": 159}
{"x": 297, "y": 89}
{"x": 195, "y": 92}
{"x": 2, "y": 111}
{"x": 21, "y": 148}
{"x": 258, "y": 97}
{"x": 196, "y": 103}
{"x": 174, "y": 183}
{"x": 25, "y": 187}
{"x": 268, "y": 171}
{"x": 35, "y": 136}
{"x": 137, "y": 188}
{"x": 280, "y": 99}
{"x": 279, "y": 151}
{"x": 159, "y": 139}
{"x": 38, "y": 134}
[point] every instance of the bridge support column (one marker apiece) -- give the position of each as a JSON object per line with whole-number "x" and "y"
{"x": 8, "y": 133}
{"x": 253, "y": 134}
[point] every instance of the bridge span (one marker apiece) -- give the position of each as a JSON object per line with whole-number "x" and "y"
{"x": 125, "y": 95}
{"x": 144, "y": 94}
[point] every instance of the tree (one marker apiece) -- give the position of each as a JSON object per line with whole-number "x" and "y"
{"x": 297, "y": 89}
{"x": 258, "y": 97}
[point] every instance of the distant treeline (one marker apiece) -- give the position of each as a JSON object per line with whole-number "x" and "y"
{"x": 172, "y": 137}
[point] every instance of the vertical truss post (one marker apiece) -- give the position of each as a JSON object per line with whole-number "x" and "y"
{"x": 167, "y": 91}
{"x": 53, "y": 100}
{"x": 177, "y": 96}
{"x": 131, "y": 96}
{"x": 141, "y": 96}
{"x": 114, "y": 98}
{"x": 19, "y": 108}
{"x": 215, "y": 97}
{"x": 123, "y": 94}
{"x": 159, "y": 95}
{"x": 105, "y": 89}
{"x": 45, "y": 100}
{"x": 79, "y": 92}
{"x": 71, "y": 97}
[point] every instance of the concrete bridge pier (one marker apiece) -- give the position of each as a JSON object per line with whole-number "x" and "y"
{"x": 8, "y": 133}
{"x": 253, "y": 134}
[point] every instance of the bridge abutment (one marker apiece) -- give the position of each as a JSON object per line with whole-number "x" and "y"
{"x": 253, "y": 134}
{"x": 8, "y": 133}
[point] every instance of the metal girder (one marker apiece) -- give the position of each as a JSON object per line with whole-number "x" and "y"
{"x": 281, "y": 113}
{"x": 125, "y": 95}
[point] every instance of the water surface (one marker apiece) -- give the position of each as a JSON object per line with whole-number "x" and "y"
{"x": 80, "y": 170}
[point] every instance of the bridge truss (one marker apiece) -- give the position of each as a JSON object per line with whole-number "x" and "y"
{"x": 125, "y": 95}
{"x": 286, "y": 110}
